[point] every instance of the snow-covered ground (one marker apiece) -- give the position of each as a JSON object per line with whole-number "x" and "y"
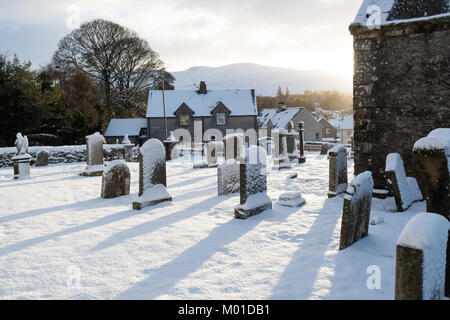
{"x": 56, "y": 224}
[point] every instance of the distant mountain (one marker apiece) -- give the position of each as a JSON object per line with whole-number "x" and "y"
{"x": 262, "y": 78}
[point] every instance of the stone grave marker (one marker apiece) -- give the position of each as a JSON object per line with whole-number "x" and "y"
{"x": 291, "y": 199}
{"x": 94, "y": 152}
{"x": 338, "y": 179}
{"x": 280, "y": 156}
{"x": 42, "y": 158}
{"x": 115, "y": 180}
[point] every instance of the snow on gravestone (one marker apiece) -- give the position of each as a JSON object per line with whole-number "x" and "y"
{"x": 94, "y": 152}
{"x": 291, "y": 199}
{"x": 115, "y": 180}
{"x": 433, "y": 155}
{"x": 356, "y": 212}
{"x": 42, "y": 158}
{"x": 421, "y": 258}
{"x": 152, "y": 175}
{"x": 338, "y": 179}
{"x": 21, "y": 160}
{"x": 280, "y": 156}
{"x": 253, "y": 184}
{"x": 406, "y": 190}
{"x": 228, "y": 177}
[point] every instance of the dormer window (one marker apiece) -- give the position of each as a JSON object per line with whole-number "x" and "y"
{"x": 184, "y": 119}
{"x": 220, "y": 119}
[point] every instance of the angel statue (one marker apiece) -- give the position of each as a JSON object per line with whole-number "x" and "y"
{"x": 21, "y": 144}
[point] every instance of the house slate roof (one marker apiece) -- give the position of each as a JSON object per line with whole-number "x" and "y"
{"x": 239, "y": 102}
{"x": 279, "y": 119}
{"x": 120, "y": 127}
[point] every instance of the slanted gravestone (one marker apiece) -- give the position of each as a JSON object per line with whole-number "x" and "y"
{"x": 94, "y": 152}
{"x": 115, "y": 179}
{"x": 301, "y": 126}
{"x": 152, "y": 175}
{"x": 356, "y": 212}
{"x": 291, "y": 199}
{"x": 338, "y": 179}
{"x": 42, "y": 158}
{"x": 279, "y": 155}
{"x": 228, "y": 175}
{"x": 128, "y": 148}
{"x": 406, "y": 190}
{"x": 433, "y": 156}
{"x": 253, "y": 184}
{"x": 21, "y": 160}
{"x": 421, "y": 258}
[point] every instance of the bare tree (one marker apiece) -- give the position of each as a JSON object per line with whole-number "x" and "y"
{"x": 121, "y": 63}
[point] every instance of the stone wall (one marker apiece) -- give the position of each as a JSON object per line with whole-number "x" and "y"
{"x": 401, "y": 90}
{"x": 63, "y": 154}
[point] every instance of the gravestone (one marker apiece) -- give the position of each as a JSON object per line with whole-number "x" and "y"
{"x": 212, "y": 149}
{"x": 406, "y": 190}
{"x": 128, "y": 148}
{"x": 21, "y": 160}
{"x": 42, "y": 158}
{"x": 280, "y": 156}
{"x": 421, "y": 258}
{"x": 94, "y": 152}
{"x": 291, "y": 199}
{"x": 170, "y": 146}
{"x": 301, "y": 126}
{"x": 291, "y": 147}
{"x": 338, "y": 180}
{"x": 433, "y": 156}
{"x": 253, "y": 184}
{"x": 325, "y": 148}
{"x": 115, "y": 180}
{"x": 356, "y": 212}
{"x": 152, "y": 175}
{"x": 228, "y": 177}
{"x": 233, "y": 144}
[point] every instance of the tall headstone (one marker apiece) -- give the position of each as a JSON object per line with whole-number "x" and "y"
{"x": 42, "y": 158}
{"x": 152, "y": 175}
{"x": 128, "y": 149}
{"x": 21, "y": 160}
{"x": 253, "y": 184}
{"x": 301, "y": 129}
{"x": 94, "y": 152}
{"x": 421, "y": 258}
{"x": 433, "y": 156}
{"x": 280, "y": 155}
{"x": 291, "y": 146}
{"x": 356, "y": 212}
{"x": 115, "y": 179}
{"x": 338, "y": 180}
{"x": 406, "y": 190}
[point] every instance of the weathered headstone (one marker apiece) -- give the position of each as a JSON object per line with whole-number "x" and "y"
{"x": 356, "y": 212}
{"x": 301, "y": 126}
{"x": 42, "y": 158}
{"x": 152, "y": 175}
{"x": 94, "y": 152}
{"x": 421, "y": 258}
{"x": 115, "y": 179}
{"x": 21, "y": 160}
{"x": 291, "y": 146}
{"x": 291, "y": 199}
{"x": 406, "y": 190}
{"x": 253, "y": 184}
{"x": 228, "y": 175}
{"x": 338, "y": 179}
{"x": 433, "y": 156}
{"x": 128, "y": 149}
{"x": 325, "y": 148}
{"x": 279, "y": 155}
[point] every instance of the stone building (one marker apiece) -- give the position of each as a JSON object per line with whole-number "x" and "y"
{"x": 328, "y": 130}
{"x": 213, "y": 109}
{"x": 401, "y": 79}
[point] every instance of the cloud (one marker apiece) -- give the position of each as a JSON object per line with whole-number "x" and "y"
{"x": 301, "y": 34}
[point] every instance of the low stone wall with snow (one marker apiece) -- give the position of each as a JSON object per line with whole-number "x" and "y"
{"x": 63, "y": 154}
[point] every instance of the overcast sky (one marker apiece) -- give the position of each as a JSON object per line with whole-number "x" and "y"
{"x": 300, "y": 34}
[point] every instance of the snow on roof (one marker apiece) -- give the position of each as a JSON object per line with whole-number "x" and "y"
{"x": 347, "y": 122}
{"x": 239, "y": 102}
{"x": 279, "y": 119}
{"x": 335, "y": 123}
{"x": 120, "y": 127}
{"x": 395, "y": 11}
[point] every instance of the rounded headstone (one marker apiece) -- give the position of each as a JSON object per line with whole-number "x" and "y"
{"x": 42, "y": 158}
{"x": 115, "y": 179}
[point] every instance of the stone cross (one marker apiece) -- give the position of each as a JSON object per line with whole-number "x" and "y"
{"x": 253, "y": 184}
{"x": 337, "y": 171}
{"x": 356, "y": 212}
{"x": 420, "y": 268}
{"x": 301, "y": 129}
{"x": 152, "y": 175}
{"x": 94, "y": 152}
{"x": 115, "y": 180}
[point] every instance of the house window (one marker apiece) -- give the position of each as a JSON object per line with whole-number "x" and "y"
{"x": 220, "y": 118}
{"x": 327, "y": 130}
{"x": 317, "y": 136}
{"x": 184, "y": 119}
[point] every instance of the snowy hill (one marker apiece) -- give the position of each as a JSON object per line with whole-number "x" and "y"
{"x": 262, "y": 78}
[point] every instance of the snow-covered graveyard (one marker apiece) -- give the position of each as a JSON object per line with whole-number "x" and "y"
{"x": 61, "y": 240}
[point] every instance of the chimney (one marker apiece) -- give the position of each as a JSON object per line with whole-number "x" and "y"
{"x": 281, "y": 106}
{"x": 202, "y": 89}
